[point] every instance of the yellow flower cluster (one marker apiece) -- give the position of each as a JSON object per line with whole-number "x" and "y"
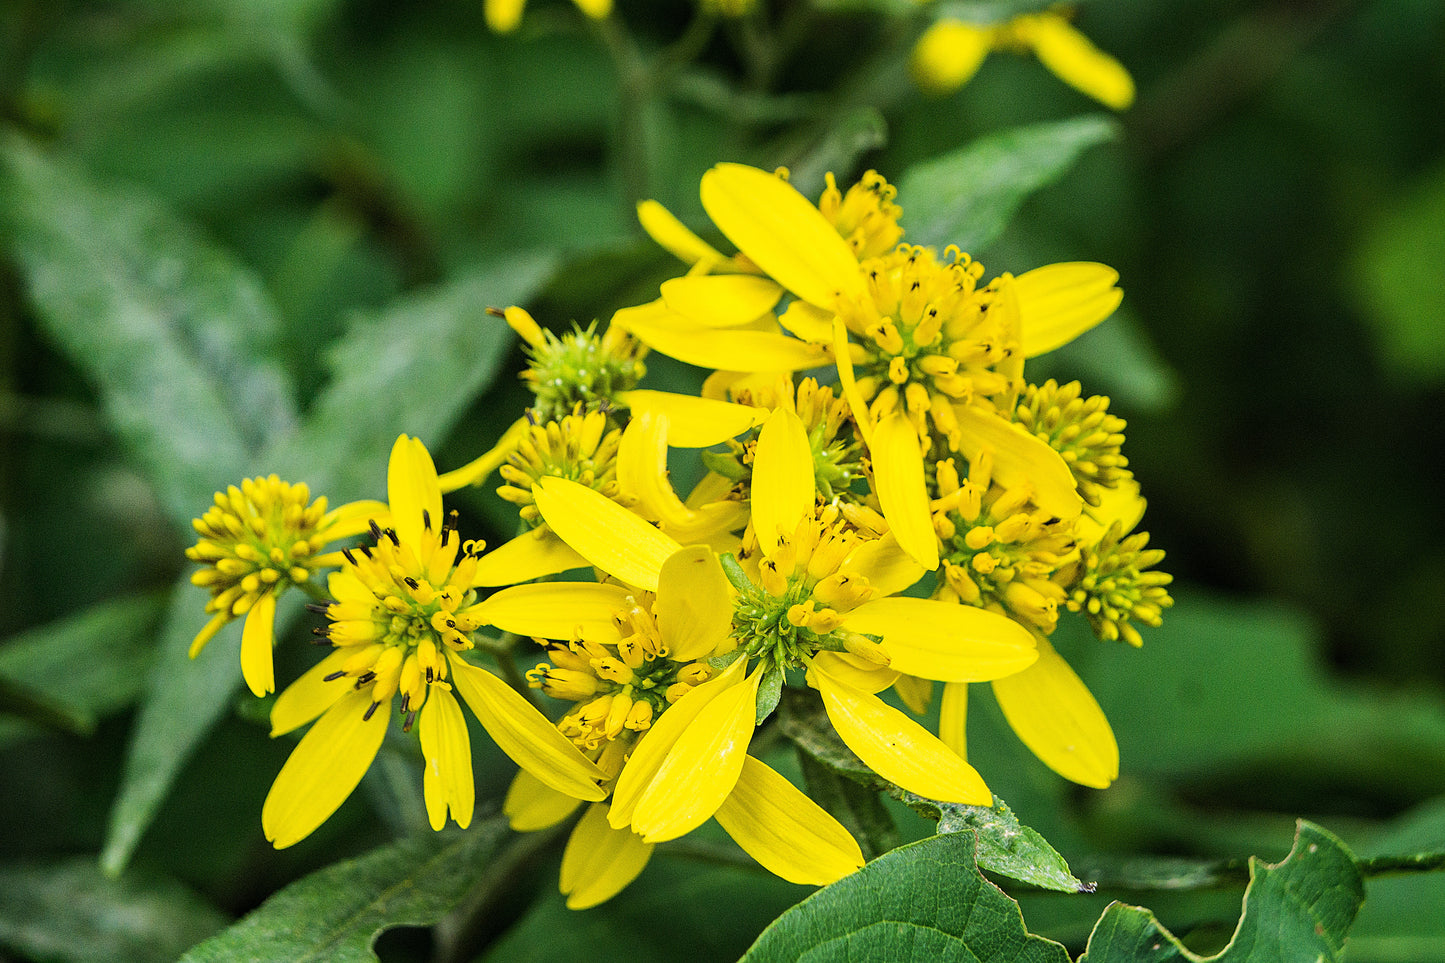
{"x": 916, "y": 458}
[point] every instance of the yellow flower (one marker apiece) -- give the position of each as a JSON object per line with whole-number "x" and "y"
{"x": 403, "y": 613}
{"x": 255, "y": 542}
{"x": 504, "y": 15}
{"x": 950, "y": 52}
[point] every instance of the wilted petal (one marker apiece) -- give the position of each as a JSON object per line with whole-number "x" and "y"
{"x": 447, "y": 752}
{"x": 557, "y": 610}
{"x": 1054, "y": 714}
{"x": 944, "y": 640}
{"x": 1059, "y": 302}
{"x": 599, "y": 860}
{"x": 603, "y": 532}
{"x": 323, "y": 769}
{"x": 786, "y": 832}
{"x": 902, "y": 492}
{"x": 784, "y": 489}
{"x": 257, "y": 640}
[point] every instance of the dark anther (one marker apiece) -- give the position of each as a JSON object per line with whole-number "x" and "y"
{"x": 496, "y": 312}
{"x": 349, "y": 557}
{"x": 405, "y": 701}
{"x": 319, "y": 608}
{"x": 370, "y": 711}
{"x": 531, "y": 417}
{"x": 450, "y": 525}
{"x": 322, "y": 630}
{"x": 426, "y": 519}
{"x": 333, "y": 677}
{"x": 410, "y": 721}
{"x": 365, "y": 677}
{"x": 411, "y": 583}
{"x": 914, "y": 286}
{"x": 430, "y": 675}
{"x": 375, "y": 530}
{"x": 391, "y": 534}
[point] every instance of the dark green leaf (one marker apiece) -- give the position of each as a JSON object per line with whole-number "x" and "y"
{"x": 80, "y": 668}
{"x": 337, "y": 913}
{"x": 967, "y": 197}
{"x": 175, "y": 335}
{"x": 69, "y": 911}
{"x": 837, "y": 149}
{"x": 1296, "y": 910}
{"x": 925, "y": 901}
{"x": 860, "y": 810}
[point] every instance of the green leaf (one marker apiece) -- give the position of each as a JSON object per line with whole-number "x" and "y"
{"x": 1006, "y": 846}
{"x": 175, "y": 335}
{"x": 967, "y": 197}
{"x": 75, "y": 670}
{"x": 925, "y": 901}
{"x": 68, "y": 911}
{"x": 860, "y": 810}
{"x": 1296, "y": 910}
{"x": 336, "y": 913}
{"x": 1401, "y": 919}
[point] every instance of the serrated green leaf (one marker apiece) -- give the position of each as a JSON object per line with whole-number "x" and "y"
{"x": 1006, "y": 846}
{"x": 922, "y": 902}
{"x": 175, "y": 335}
{"x": 967, "y": 197}
{"x": 1296, "y": 910}
{"x": 80, "y": 668}
{"x": 68, "y": 910}
{"x": 336, "y": 914}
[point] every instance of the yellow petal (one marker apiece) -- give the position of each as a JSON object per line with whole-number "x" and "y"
{"x": 732, "y": 350}
{"x": 783, "y": 487}
{"x": 642, "y": 472}
{"x": 524, "y": 734}
{"x": 694, "y": 605}
{"x": 673, "y": 235}
{"x": 781, "y": 232}
{"x": 310, "y": 695}
{"x": 944, "y": 640}
{"x": 476, "y": 471}
{"x": 856, "y": 402}
{"x": 901, "y": 490}
{"x": 721, "y": 300}
{"x": 1123, "y": 504}
{"x": 412, "y": 490}
{"x": 884, "y": 563}
{"x": 596, "y": 9}
{"x": 323, "y": 769}
{"x": 208, "y": 632}
{"x": 1053, "y": 713}
{"x": 1019, "y": 459}
{"x": 953, "y": 717}
{"x": 533, "y": 554}
{"x": 1075, "y": 60}
{"x": 896, "y": 747}
{"x": 702, "y": 767}
{"x": 694, "y": 422}
{"x": 1059, "y": 302}
{"x": 447, "y": 752}
{"x": 353, "y": 518}
{"x": 603, "y": 532}
{"x": 531, "y": 804}
{"x": 808, "y": 322}
{"x": 916, "y": 694}
{"x": 856, "y": 672}
{"x": 503, "y": 15}
{"x": 257, "y": 640}
{"x": 557, "y": 610}
{"x": 654, "y": 745}
{"x": 786, "y": 832}
{"x": 948, "y": 55}
{"x": 599, "y": 860}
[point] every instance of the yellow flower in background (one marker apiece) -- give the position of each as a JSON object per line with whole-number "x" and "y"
{"x": 950, "y": 52}
{"x": 257, "y": 541}
{"x": 504, "y": 15}
{"x": 403, "y": 613}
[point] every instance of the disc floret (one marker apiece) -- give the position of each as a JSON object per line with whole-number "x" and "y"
{"x": 1114, "y": 584}
{"x": 579, "y": 447}
{"x": 1081, "y": 429}
{"x": 579, "y": 368}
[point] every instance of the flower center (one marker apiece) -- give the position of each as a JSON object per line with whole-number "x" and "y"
{"x": 578, "y": 447}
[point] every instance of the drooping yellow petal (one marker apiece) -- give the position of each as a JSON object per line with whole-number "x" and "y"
{"x": 412, "y": 490}
{"x": 721, "y": 300}
{"x": 896, "y": 747}
{"x": 446, "y": 749}
{"x": 599, "y": 860}
{"x": 323, "y": 769}
{"x": 1056, "y": 716}
{"x": 786, "y": 832}
{"x": 948, "y": 55}
{"x": 915, "y": 693}
{"x": 902, "y": 492}
{"x": 1059, "y": 302}
{"x": 781, "y": 232}
{"x": 642, "y": 473}
{"x": 732, "y": 350}
{"x": 694, "y": 604}
{"x": 673, "y": 235}
{"x": 476, "y": 471}
{"x": 953, "y": 717}
{"x": 856, "y": 672}
{"x": 1074, "y": 59}
{"x": 1019, "y": 459}
{"x": 808, "y": 322}
{"x": 503, "y": 15}
{"x": 531, "y": 804}
{"x": 884, "y": 563}
{"x": 702, "y": 766}
{"x": 603, "y": 532}
{"x": 783, "y": 486}
{"x": 257, "y": 640}
{"x": 694, "y": 422}
{"x": 310, "y": 695}
{"x": 943, "y": 640}
{"x": 208, "y": 632}
{"x": 533, "y": 554}
{"x": 652, "y": 749}
{"x": 557, "y": 610}
{"x": 524, "y": 734}
{"x": 856, "y": 402}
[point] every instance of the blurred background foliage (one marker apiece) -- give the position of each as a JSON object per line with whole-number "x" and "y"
{"x": 311, "y": 179}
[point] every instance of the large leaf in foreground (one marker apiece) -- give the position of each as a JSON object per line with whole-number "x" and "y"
{"x": 1295, "y": 911}
{"x": 413, "y": 367}
{"x": 336, "y": 913}
{"x": 922, "y": 902}
{"x": 967, "y": 197}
